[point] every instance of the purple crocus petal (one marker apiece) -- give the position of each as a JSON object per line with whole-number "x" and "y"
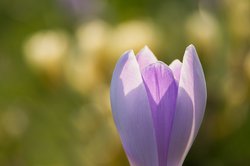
{"x": 190, "y": 107}
{"x": 197, "y": 87}
{"x": 131, "y": 112}
{"x": 162, "y": 93}
{"x": 175, "y": 66}
{"x": 145, "y": 57}
{"x": 182, "y": 127}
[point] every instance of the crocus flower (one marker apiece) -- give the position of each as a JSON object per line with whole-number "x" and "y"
{"x": 157, "y": 108}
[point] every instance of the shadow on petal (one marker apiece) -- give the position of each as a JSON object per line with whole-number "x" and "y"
{"x": 182, "y": 130}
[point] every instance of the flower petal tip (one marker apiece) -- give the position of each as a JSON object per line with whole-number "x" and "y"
{"x": 191, "y": 48}
{"x": 175, "y": 62}
{"x": 125, "y": 57}
{"x": 145, "y": 57}
{"x": 145, "y": 47}
{"x": 145, "y": 50}
{"x": 130, "y": 53}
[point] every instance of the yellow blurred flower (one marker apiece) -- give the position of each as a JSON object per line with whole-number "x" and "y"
{"x": 132, "y": 35}
{"x": 92, "y": 37}
{"x": 203, "y": 30}
{"x": 45, "y": 52}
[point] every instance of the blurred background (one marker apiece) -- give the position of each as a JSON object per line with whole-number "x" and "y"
{"x": 56, "y": 62}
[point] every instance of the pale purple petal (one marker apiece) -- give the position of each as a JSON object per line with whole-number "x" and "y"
{"x": 190, "y": 109}
{"x": 181, "y": 130}
{"x": 145, "y": 57}
{"x": 131, "y": 112}
{"x": 162, "y": 93}
{"x": 197, "y": 91}
{"x": 175, "y": 66}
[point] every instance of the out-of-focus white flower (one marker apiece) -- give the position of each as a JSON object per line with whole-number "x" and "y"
{"x": 92, "y": 37}
{"x": 132, "y": 34}
{"x": 203, "y": 30}
{"x": 46, "y": 50}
